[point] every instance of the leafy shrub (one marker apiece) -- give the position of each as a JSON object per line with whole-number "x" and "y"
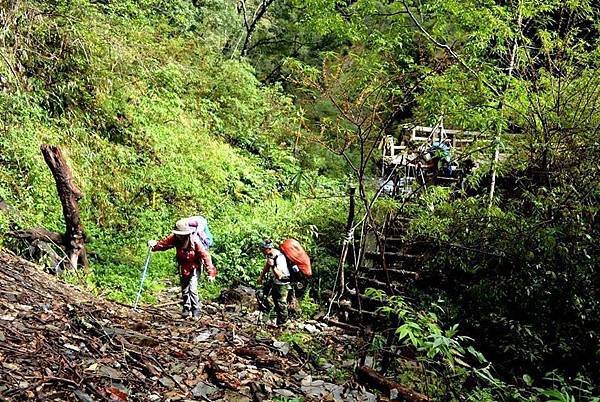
{"x": 155, "y": 126}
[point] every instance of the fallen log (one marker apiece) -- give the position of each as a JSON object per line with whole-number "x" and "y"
{"x": 44, "y": 246}
{"x": 347, "y": 327}
{"x": 171, "y": 303}
{"x": 373, "y": 379}
{"x": 38, "y": 234}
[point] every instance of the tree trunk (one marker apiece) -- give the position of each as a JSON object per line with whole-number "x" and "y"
{"x": 251, "y": 25}
{"x": 69, "y": 194}
{"x": 347, "y": 241}
{"x": 498, "y": 138}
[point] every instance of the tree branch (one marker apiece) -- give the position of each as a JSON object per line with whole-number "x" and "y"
{"x": 449, "y": 50}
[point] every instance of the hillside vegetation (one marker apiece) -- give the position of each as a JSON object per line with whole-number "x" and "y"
{"x": 156, "y": 125}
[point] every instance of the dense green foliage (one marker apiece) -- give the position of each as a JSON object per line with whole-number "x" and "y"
{"x": 519, "y": 270}
{"x": 156, "y": 126}
{"x": 170, "y": 108}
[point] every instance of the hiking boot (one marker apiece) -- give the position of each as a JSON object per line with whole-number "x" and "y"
{"x": 289, "y": 324}
{"x": 186, "y": 315}
{"x": 195, "y": 315}
{"x": 270, "y": 324}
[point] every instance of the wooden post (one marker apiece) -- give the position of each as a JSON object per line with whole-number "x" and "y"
{"x": 69, "y": 196}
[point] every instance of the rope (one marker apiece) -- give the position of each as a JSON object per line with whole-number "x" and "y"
{"x": 349, "y": 239}
{"x": 338, "y": 295}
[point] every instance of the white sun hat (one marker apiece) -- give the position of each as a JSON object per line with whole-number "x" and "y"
{"x": 182, "y": 228}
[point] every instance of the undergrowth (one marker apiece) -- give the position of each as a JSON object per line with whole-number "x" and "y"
{"x": 155, "y": 125}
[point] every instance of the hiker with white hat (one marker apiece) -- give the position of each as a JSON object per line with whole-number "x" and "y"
{"x": 191, "y": 254}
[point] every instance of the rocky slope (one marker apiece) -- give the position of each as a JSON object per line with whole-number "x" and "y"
{"x": 58, "y": 342}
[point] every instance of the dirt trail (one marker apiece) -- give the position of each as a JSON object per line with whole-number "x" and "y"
{"x": 60, "y": 343}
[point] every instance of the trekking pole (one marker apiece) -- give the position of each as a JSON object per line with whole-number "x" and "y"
{"x": 262, "y": 301}
{"x": 270, "y": 309}
{"x": 137, "y": 298}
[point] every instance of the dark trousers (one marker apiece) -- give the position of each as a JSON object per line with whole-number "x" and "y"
{"x": 189, "y": 293}
{"x": 273, "y": 294}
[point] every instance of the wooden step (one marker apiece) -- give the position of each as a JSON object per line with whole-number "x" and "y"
{"x": 394, "y": 272}
{"x": 355, "y": 314}
{"x": 392, "y": 255}
{"x": 374, "y": 283}
{"x": 396, "y": 231}
{"x": 447, "y": 179}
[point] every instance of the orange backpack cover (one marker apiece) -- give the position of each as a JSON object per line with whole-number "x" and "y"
{"x": 296, "y": 255}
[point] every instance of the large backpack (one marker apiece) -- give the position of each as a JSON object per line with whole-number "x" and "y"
{"x": 296, "y": 257}
{"x": 201, "y": 231}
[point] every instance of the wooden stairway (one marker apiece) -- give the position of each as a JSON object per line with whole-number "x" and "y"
{"x": 401, "y": 270}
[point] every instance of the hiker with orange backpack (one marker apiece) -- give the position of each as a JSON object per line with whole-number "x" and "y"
{"x": 191, "y": 253}
{"x": 278, "y": 284}
{"x": 291, "y": 264}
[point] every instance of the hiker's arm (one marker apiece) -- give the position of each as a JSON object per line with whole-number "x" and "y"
{"x": 205, "y": 256}
{"x": 165, "y": 244}
{"x": 280, "y": 267}
{"x": 263, "y": 273}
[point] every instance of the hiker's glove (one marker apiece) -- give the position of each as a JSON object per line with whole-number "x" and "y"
{"x": 152, "y": 243}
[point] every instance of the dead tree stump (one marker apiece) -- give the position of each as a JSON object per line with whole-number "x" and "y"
{"x": 69, "y": 194}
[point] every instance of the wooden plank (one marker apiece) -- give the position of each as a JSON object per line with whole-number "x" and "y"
{"x": 426, "y": 129}
{"x": 395, "y": 254}
{"x": 378, "y": 284}
{"x": 356, "y": 314}
{"x": 401, "y": 272}
{"x": 394, "y": 239}
{"x": 448, "y": 179}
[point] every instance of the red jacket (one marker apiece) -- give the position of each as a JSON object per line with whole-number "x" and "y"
{"x": 190, "y": 254}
